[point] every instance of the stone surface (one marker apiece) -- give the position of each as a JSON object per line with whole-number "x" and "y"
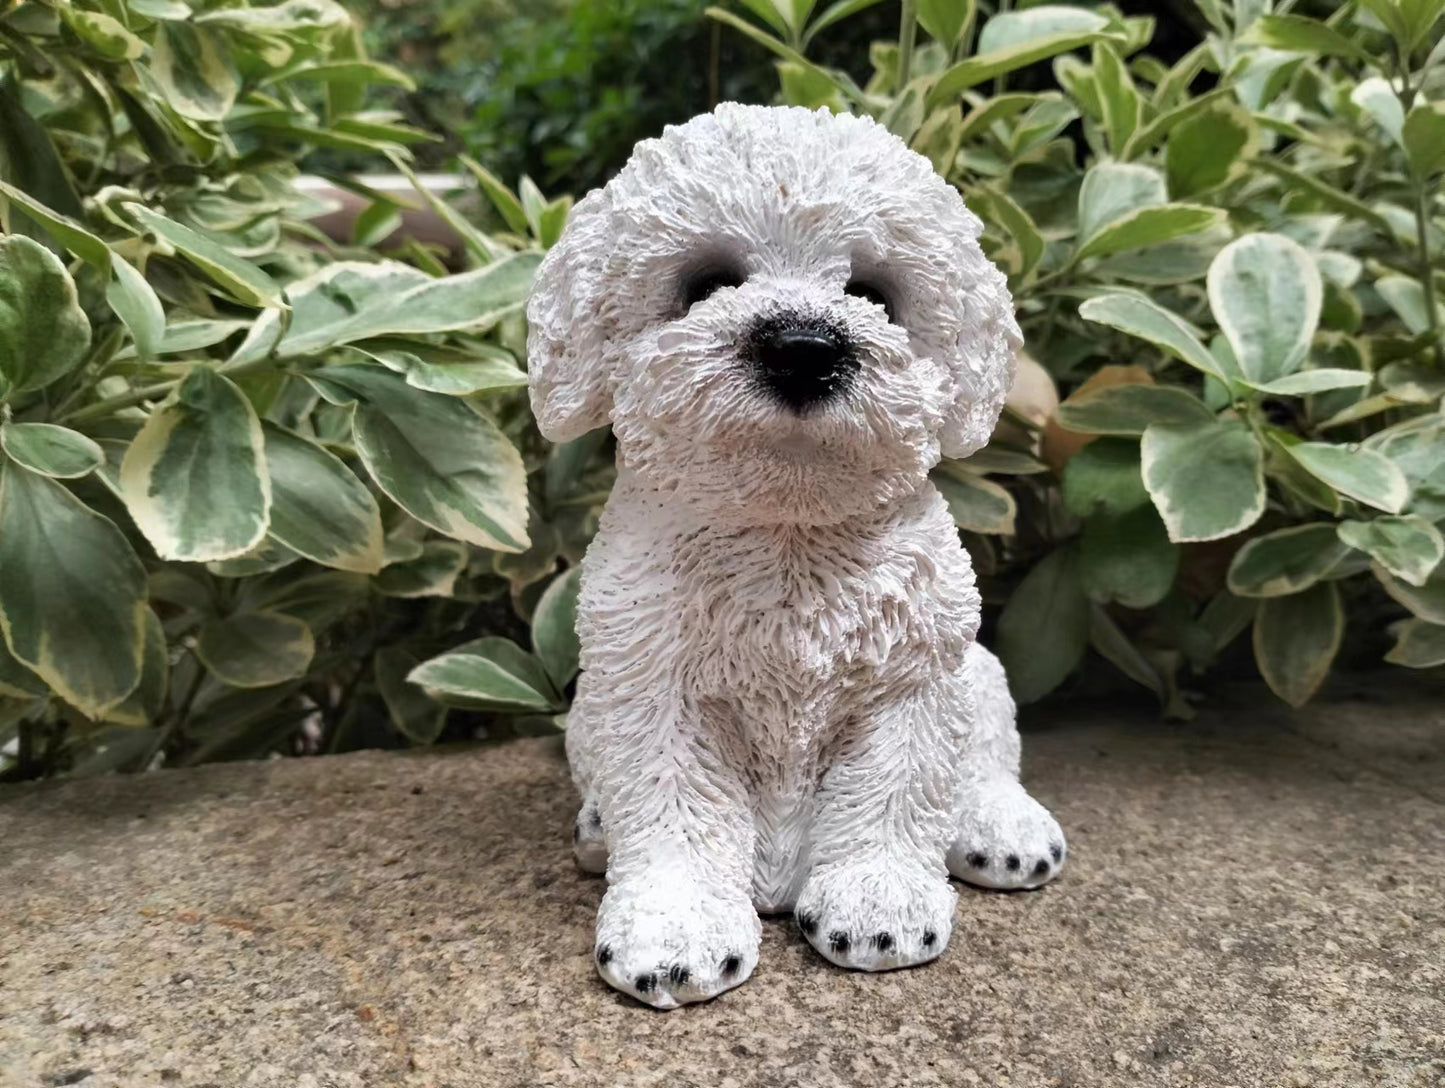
{"x": 1252, "y": 899}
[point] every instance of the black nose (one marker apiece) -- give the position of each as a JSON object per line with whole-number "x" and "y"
{"x": 802, "y": 363}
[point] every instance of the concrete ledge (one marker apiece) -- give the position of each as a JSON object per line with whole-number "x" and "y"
{"x": 1255, "y": 899}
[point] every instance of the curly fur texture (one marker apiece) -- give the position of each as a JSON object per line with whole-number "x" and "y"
{"x": 781, "y": 706}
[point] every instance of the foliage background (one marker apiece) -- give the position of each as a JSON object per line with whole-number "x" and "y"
{"x": 262, "y": 492}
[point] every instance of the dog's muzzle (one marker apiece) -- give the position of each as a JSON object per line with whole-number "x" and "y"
{"x": 801, "y": 361}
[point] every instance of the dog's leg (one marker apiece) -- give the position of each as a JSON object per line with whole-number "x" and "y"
{"x": 877, "y": 895}
{"x": 1006, "y": 839}
{"x": 677, "y": 923}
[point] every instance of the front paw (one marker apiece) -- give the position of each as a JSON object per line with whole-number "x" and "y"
{"x": 876, "y": 914}
{"x": 1006, "y": 839}
{"x": 667, "y": 942}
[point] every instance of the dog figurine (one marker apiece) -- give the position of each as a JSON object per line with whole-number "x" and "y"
{"x": 787, "y": 319}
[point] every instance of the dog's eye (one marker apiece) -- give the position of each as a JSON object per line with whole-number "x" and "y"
{"x": 705, "y": 284}
{"x": 870, "y": 293}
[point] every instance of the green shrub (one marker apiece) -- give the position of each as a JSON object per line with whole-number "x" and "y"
{"x": 252, "y": 480}
{"x": 1257, "y": 229}
{"x": 249, "y": 478}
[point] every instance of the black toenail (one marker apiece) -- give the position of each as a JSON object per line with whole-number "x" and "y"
{"x": 679, "y": 974}
{"x": 838, "y": 941}
{"x": 977, "y": 860}
{"x": 1012, "y": 862}
{"x": 1056, "y": 851}
{"x": 604, "y": 955}
{"x": 807, "y": 923}
{"x": 730, "y": 966}
{"x": 883, "y": 941}
{"x": 644, "y": 983}
{"x": 929, "y": 937}
{"x": 1041, "y": 868}
{"x": 596, "y": 818}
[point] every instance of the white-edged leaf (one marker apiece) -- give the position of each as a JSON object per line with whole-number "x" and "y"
{"x": 488, "y": 674}
{"x": 1265, "y": 292}
{"x": 134, "y": 302}
{"x": 1206, "y": 479}
{"x": 432, "y": 573}
{"x": 1409, "y": 547}
{"x": 1112, "y": 190}
{"x": 1149, "y": 226}
{"x": 72, "y": 592}
{"x": 194, "y": 478}
{"x": 242, "y": 279}
{"x": 1296, "y": 639}
{"x": 1418, "y": 645}
{"x": 319, "y": 508}
{"x": 255, "y": 649}
{"x": 976, "y": 504}
{"x": 435, "y": 456}
{"x": 1362, "y": 474}
{"x": 554, "y": 627}
{"x": 1127, "y": 557}
{"x": 1285, "y": 561}
{"x": 44, "y": 333}
{"x": 347, "y": 301}
{"x": 51, "y": 450}
{"x": 1305, "y": 382}
{"x": 1148, "y": 320}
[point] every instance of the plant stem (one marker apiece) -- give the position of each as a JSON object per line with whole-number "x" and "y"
{"x": 907, "y": 35}
{"x": 1427, "y": 278}
{"x": 121, "y": 400}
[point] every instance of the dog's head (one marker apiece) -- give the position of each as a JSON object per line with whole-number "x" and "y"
{"x": 784, "y": 314}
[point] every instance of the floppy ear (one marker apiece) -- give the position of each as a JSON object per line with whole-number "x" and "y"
{"x": 983, "y": 364}
{"x": 567, "y": 363}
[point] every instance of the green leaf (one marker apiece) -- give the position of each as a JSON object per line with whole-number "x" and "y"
{"x": 1406, "y": 297}
{"x": 1378, "y": 99}
{"x": 44, "y": 333}
{"x": 136, "y": 304}
{"x": 1127, "y": 557}
{"x": 1130, "y": 409}
{"x": 103, "y": 33}
{"x": 502, "y": 198}
{"x": 191, "y": 66}
{"x": 160, "y": 9}
{"x": 143, "y": 706}
{"x": 1418, "y": 645}
{"x": 1409, "y": 547}
{"x": 16, "y": 681}
{"x": 1265, "y": 292}
{"x": 1105, "y": 477}
{"x": 1040, "y": 22}
{"x": 554, "y": 627}
{"x": 50, "y": 450}
{"x": 1044, "y": 629}
{"x": 995, "y": 205}
{"x": 439, "y": 460}
{"x": 1148, "y": 320}
{"x": 945, "y": 20}
{"x": 1334, "y": 199}
{"x": 1118, "y": 98}
{"x": 1207, "y": 479}
{"x": 1362, "y": 474}
{"x": 485, "y": 368}
{"x": 1286, "y": 561}
{"x": 977, "y": 504}
{"x": 1414, "y": 447}
{"x": 1296, "y": 639}
{"x": 1206, "y": 150}
{"x": 415, "y": 716}
{"x": 255, "y": 649}
{"x": 1305, "y": 382}
{"x": 1112, "y": 644}
{"x": 346, "y": 302}
{"x": 72, "y": 593}
{"x": 1149, "y": 226}
{"x": 842, "y": 9}
{"x": 1111, "y": 190}
{"x": 194, "y": 478}
{"x": 1424, "y": 137}
{"x": 1298, "y": 34}
{"x": 62, "y": 228}
{"x": 1426, "y": 601}
{"x": 488, "y": 674}
{"x": 433, "y": 573}
{"x": 243, "y": 280}
{"x": 296, "y": 17}
{"x": 319, "y": 508}
{"x": 987, "y": 65}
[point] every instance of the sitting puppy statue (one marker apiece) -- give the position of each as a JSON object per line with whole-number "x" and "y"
{"x": 787, "y": 319}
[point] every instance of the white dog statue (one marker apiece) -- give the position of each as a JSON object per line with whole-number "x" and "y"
{"x": 786, "y": 318}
